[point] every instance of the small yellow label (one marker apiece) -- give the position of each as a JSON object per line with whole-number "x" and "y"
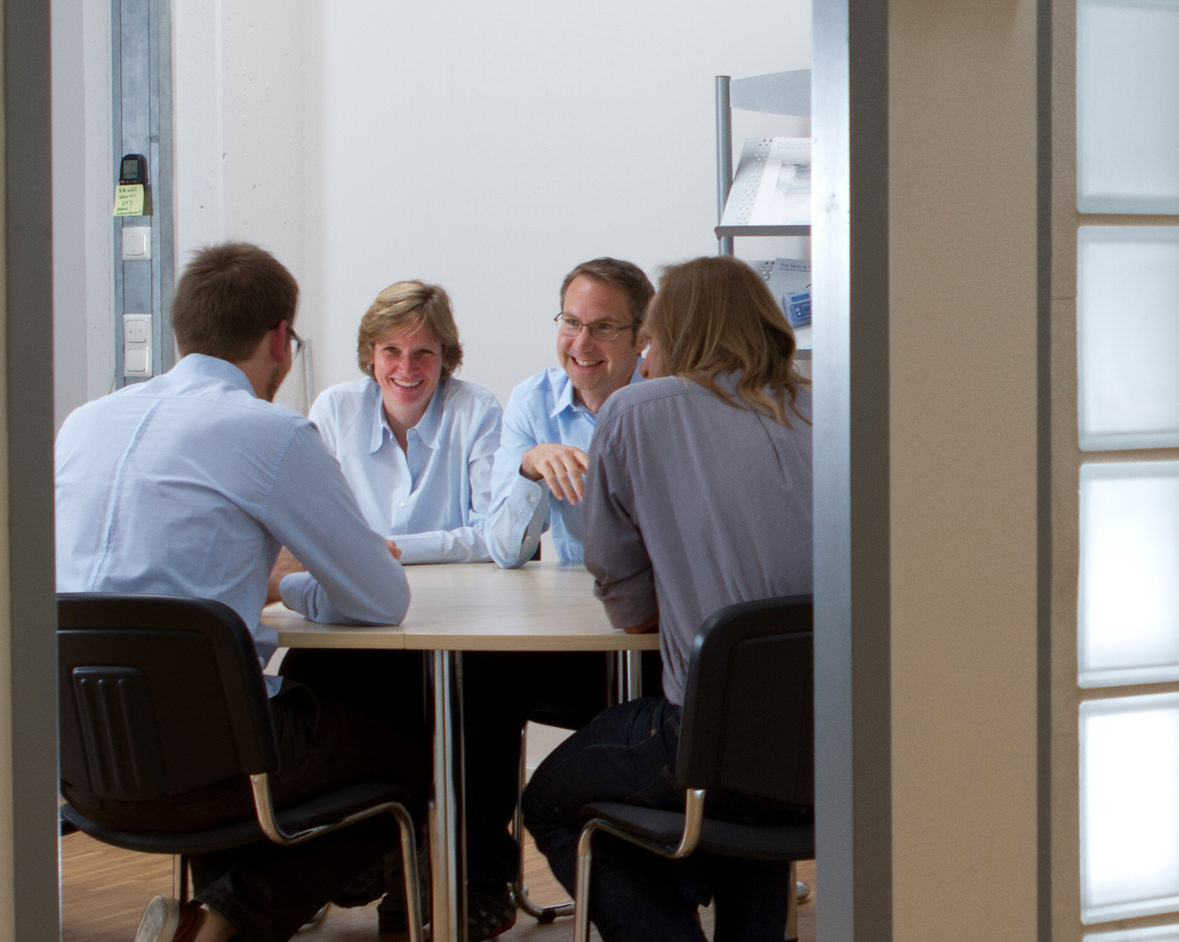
{"x": 129, "y": 199}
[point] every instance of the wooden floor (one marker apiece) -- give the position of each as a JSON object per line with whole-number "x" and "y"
{"x": 104, "y": 890}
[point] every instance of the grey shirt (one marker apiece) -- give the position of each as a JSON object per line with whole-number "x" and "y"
{"x": 692, "y": 504}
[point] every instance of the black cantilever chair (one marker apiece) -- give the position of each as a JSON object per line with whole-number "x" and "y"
{"x": 748, "y": 728}
{"x": 163, "y": 694}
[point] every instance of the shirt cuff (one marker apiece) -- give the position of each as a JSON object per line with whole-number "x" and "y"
{"x": 529, "y": 500}
{"x": 514, "y": 530}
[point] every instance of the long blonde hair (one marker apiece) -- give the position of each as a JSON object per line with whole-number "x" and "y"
{"x": 716, "y": 315}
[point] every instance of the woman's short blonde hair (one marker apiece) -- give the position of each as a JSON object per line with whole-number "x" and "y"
{"x": 716, "y": 315}
{"x": 412, "y": 304}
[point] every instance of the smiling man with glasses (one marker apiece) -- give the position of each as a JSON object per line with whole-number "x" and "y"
{"x": 540, "y": 465}
{"x": 537, "y": 481}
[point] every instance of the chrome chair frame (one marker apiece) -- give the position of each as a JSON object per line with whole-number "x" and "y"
{"x": 702, "y": 759}
{"x": 110, "y": 739}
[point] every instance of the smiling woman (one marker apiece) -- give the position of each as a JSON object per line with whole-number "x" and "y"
{"x": 415, "y": 443}
{"x": 407, "y": 365}
{"x": 408, "y": 342}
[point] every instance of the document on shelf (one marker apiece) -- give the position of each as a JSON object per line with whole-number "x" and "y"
{"x": 789, "y": 280}
{"x": 772, "y": 186}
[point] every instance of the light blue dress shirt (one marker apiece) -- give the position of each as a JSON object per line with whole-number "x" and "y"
{"x": 431, "y": 499}
{"x": 188, "y": 485}
{"x": 541, "y": 409}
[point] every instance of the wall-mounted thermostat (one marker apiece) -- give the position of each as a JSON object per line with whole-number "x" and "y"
{"x": 133, "y": 169}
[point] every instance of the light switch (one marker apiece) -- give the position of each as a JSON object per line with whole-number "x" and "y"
{"x": 137, "y": 344}
{"x": 136, "y": 243}
{"x": 135, "y": 363}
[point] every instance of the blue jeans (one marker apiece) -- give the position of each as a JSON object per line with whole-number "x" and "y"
{"x": 627, "y": 753}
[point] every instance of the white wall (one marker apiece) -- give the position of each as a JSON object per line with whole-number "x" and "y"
{"x": 83, "y": 181}
{"x": 486, "y": 147}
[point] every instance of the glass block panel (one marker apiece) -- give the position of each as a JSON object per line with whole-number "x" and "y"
{"x": 1128, "y": 579}
{"x": 1128, "y": 336}
{"x": 1149, "y": 934}
{"x": 1127, "y": 106}
{"x": 1129, "y": 789}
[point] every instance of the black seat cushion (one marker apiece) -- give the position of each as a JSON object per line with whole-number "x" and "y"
{"x": 323, "y": 809}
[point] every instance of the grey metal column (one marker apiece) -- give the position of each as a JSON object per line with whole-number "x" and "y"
{"x": 850, "y": 260}
{"x": 724, "y": 157}
{"x": 141, "y": 112}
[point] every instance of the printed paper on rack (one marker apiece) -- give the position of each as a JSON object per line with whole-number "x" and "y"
{"x": 784, "y": 192}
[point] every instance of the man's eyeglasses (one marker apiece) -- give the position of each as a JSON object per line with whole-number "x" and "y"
{"x": 600, "y": 330}
{"x": 296, "y": 341}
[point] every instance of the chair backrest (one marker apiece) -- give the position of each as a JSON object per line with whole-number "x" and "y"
{"x": 157, "y": 695}
{"x": 748, "y": 722}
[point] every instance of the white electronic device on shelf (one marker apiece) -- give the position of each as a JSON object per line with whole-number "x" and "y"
{"x": 770, "y": 192}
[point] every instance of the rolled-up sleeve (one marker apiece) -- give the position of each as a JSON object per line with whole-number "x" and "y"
{"x": 614, "y": 550}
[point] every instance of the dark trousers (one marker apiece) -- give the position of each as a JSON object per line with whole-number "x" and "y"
{"x": 266, "y": 891}
{"x": 627, "y": 754}
{"x": 501, "y": 692}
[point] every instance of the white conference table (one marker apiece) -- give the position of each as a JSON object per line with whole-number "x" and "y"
{"x": 474, "y": 607}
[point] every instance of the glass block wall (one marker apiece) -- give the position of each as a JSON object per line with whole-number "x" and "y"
{"x": 1126, "y": 473}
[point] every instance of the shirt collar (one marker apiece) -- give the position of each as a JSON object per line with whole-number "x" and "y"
{"x": 565, "y": 400}
{"x": 199, "y": 365}
{"x": 429, "y": 425}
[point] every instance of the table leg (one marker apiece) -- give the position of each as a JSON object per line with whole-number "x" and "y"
{"x": 447, "y": 859}
{"x": 628, "y": 676}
